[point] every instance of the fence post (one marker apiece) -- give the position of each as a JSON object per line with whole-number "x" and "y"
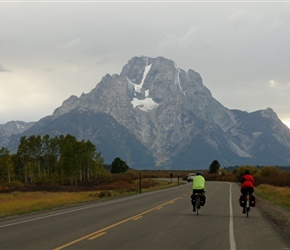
{"x": 140, "y": 183}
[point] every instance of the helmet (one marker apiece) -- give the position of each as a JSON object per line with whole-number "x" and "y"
{"x": 247, "y": 172}
{"x": 199, "y": 173}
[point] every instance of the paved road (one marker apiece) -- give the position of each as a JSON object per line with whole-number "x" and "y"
{"x": 157, "y": 220}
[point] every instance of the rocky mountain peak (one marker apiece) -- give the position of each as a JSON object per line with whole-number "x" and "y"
{"x": 171, "y": 117}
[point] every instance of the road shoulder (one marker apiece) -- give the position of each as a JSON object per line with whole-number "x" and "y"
{"x": 279, "y": 215}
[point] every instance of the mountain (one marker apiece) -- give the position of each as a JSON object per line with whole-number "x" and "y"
{"x": 12, "y": 128}
{"x": 154, "y": 114}
{"x": 111, "y": 138}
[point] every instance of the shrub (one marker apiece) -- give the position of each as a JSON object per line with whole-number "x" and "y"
{"x": 12, "y": 186}
{"x": 241, "y": 171}
{"x": 105, "y": 193}
{"x": 280, "y": 179}
{"x": 268, "y": 171}
{"x": 147, "y": 183}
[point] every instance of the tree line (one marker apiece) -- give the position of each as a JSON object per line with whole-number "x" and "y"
{"x": 41, "y": 159}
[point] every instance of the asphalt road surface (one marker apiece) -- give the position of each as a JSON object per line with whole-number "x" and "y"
{"x": 156, "y": 220}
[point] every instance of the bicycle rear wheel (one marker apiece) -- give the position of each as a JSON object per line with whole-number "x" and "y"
{"x": 248, "y": 205}
{"x": 197, "y": 205}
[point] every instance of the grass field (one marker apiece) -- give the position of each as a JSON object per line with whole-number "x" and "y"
{"x": 277, "y": 195}
{"x": 17, "y": 203}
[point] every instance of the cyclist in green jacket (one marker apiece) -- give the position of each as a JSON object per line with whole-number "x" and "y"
{"x": 198, "y": 186}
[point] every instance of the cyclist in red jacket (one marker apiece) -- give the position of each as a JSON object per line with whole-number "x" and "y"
{"x": 247, "y": 181}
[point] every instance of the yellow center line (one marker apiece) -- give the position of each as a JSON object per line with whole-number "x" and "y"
{"x": 96, "y": 236}
{"x": 97, "y": 233}
{"x": 137, "y": 218}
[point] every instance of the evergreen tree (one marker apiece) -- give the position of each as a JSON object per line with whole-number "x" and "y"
{"x": 214, "y": 167}
{"x": 119, "y": 166}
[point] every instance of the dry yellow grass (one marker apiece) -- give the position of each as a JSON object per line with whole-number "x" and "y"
{"x": 17, "y": 203}
{"x": 277, "y": 195}
{"x": 25, "y": 202}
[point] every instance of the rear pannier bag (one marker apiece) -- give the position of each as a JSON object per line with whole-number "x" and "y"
{"x": 252, "y": 201}
{"x": 202, "y": 200}
{"x": 242, "y": 201}
{"x": 192, "y": 199}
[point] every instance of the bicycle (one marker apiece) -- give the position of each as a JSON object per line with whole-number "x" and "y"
{"x": 197, "y": 202}
{"x": 250, "y": 201}
{"x": 247, "y": 204}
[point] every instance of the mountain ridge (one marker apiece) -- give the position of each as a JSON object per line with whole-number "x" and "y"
{"x": 175, "y": 118}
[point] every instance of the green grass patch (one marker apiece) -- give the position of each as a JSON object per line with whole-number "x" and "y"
{"x": 277, "y": 195}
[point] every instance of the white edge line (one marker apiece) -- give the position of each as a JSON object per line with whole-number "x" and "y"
{"x": 231, "y": 228}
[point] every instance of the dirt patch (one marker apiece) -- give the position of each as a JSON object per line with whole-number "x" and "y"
{"x": 277, "y": 214}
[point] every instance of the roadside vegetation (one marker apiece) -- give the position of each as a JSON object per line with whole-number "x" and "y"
{"x": 42, "y": 159}
{"x": 277, "y": 195}
{"x": 17, "y": 203}
{"x": 48, "y": 173}
{"x": 271, "y": 183}
{"x": 17, "y": 198}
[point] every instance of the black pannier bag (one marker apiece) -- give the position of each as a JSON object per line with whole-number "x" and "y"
{"x": 252, "y": 201}
{"x": 242, "y": 201}
{"x": 192, "y": 199}
{"x": 202, "y": 200}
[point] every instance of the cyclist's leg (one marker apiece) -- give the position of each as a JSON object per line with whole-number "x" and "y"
{"x": 244, "y": 191}
{"x": 251, "y": 191}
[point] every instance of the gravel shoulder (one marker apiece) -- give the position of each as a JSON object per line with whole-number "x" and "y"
{"x": 277, "y": 214}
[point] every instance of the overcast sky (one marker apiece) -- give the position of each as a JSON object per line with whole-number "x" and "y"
{"x": 51, "y": 50}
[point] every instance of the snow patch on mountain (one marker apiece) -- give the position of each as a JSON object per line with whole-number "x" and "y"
{"x": 146, "y": 105}
{"x": 138, "y": 87}
{"x": 177, "y": 80}
{"x": 147, "y": 93}
{"x": 19, "y": 126}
